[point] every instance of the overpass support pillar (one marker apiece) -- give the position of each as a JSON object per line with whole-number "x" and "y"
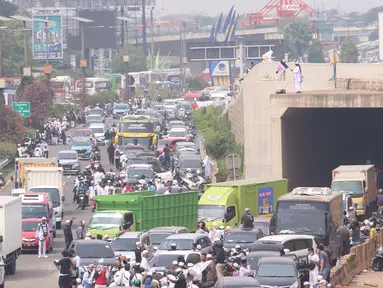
{"x": 276, "y": 142}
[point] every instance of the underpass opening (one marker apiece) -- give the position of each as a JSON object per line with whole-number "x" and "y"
{"x": 317, "y": 140}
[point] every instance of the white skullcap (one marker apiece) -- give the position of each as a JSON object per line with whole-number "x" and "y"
{"x": 138, "y": 243}
{"x": 237, "y": 246}
{"x": 145, "y": 252}
{"x": 101, "y": 261}
{"x": 67, "y": 221}
{"x": 181, "y": 264}
{"x": 190, "y": 265}
{"x": 209, "y": 256}
{"x": 216, "y": 239}
{"x": 175, "y": 262}
{"x": 199, "y": 247}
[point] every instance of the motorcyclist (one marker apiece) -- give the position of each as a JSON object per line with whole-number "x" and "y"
{"x": 93, "y": 142}
{"x": 95, "y": 156}
{"x": 38, "y": 151}
{"x": 81, "y": 190}
{"x": 238, "y": 252}
{"x": 88, "y": 171}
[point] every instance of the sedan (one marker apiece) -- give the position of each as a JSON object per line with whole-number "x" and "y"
{"x": 185, "y": 242}
{"x": 246, "y": 238}
{"x": 277, "y": 272}
{"x": 162, "y": 262}
{"x": 91, "y": 251}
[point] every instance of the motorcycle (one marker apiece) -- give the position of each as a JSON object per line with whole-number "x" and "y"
{"x": 377, "y": 261}
{"x": 82, "y": 200}
{"x": 96, "y": 165}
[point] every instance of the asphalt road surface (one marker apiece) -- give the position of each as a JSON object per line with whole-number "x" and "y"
{"x": 36, "y": 272}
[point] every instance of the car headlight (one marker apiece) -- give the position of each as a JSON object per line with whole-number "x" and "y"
{"x": 199, "y": 171}
{"x": 360, "y": 207}
{"x": 295, "y": 285}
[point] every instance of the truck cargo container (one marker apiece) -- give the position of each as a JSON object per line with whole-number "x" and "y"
{"x": 225, "y": 203}
{"x": 143, "y": 211}
{"x": 22, "y": 163}
{"x": 358, "y": 181}
{"x": 10, "y": 232}
{"x": 47, "y": 180}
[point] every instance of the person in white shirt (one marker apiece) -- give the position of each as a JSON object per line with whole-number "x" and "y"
{"x": 98, "y": 177}
{"x": 42, "y": 233}
{"x": 144, "y": 261}
{"x": 142, "y": 181}
{"x": 88, "y": 278}
{"x": 38, "y": 151}
{"x": 45, "y": 149}
{"x": 88, "y": 236}
{"x": 108, "y": 189}
{"x": 244, "y": 270}
{"x": 99, "y": 190}
{"x": 20, "y": 151}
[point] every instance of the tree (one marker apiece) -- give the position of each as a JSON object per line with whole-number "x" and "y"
{"x": 137, "y": 60}
{"x": 296, "y": 38}
{"x": 348, "y": 52}
{"x": 371, "y": 16}
{"x": 7, "y": 8}
{"x": 316, "y": 52}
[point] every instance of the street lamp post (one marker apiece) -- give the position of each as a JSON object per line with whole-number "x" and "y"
{"x": 127, "y": 80}
{"x": 2, "y": 79}
{"x": 83, "y": 62}
{"x": 152, "y": 30}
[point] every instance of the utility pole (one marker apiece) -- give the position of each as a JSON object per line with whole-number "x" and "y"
{"x": 127, "y": 80}
{"x": 83, "y": 63}
{"x": 122, "y": 29}
{"x": 152, "y": 42}
{"x": 2, "y": 79}
{"x": 182, "y": 55}
{"x": 46, "y": 43}
{"x": 144, "y": 40}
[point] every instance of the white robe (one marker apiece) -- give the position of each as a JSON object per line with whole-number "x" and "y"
{"x": 313, "y": 274}
{"x": 298, "y": 79}
{"x": 208, "y": 164}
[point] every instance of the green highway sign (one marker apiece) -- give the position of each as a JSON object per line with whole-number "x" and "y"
{"x": 24, "y": 108}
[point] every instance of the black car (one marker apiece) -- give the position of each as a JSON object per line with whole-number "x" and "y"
{"x": 237, "y": 282}
{"x": 245, "y": 238}
{"x": 91, "y": 251}
{"x": 254, "y": 256}
{"x": 157, "y": 235}
{"x": 277, "y": 272}
{"x": 188, "y": 161}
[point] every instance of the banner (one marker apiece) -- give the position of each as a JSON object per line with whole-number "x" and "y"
{"x": 55, "y": 38}
{"x": 220, "y": 68}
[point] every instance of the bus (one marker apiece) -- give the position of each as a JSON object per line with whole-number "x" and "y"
{"x": 62, "y": 88}
{"x": 137, "y": 130}
{"x": 93, "y": 85}
{"x": 316, "y": 211}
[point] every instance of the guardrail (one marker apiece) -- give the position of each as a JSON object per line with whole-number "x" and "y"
{"x": 4, "y": 162}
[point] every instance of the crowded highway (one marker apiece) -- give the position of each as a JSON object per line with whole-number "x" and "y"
{"x": 125, "y": 199}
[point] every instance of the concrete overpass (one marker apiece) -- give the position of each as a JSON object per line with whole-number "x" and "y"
{"x": 171, "y": 43}
{"x": 304, "y": 136}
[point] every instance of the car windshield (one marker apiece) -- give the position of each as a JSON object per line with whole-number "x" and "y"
{"x": 293, "y": 216}
{"x": 99, "y": 219}
{"x": 162, "y": 143}
{"x": 67, "y": 156}
{"x": 182, "y": 244}
{"x": 98, "y": 112}
{"x": 93, "y": 117}
{"x": 187, "y": 106}
{"x": 53, "y": 192}
{"x": 241, "y": 237}
{"x": 143, "y": 141}
{"x": 164, "y": 260}
{"x": 137, "y": 173}
{"x": 121, "y": 107}
{"x": 29, "y": 226}
{"x": 92, "y": 250}
{"x": 176, "y": 125}
{"x": 157, "y": 238}
{"x": 82, "y": 133}
{"x": 252, "y": 259}
{"x": 124, "y": 244}
{"x": 33, "y": 210}
{"x": 211, "y": 211}
{"x": 177, "y": 134}
{"x": 351, "y": 187}
{"x": 190, "y": 163}
{"x": 97, "y": 130}
{"x": 276, "y": 270}
{"x": 85, "y": 142}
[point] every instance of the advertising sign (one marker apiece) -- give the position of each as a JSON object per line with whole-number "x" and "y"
{"x": 291, "y": 7}
{"x": 54, "y": 33}
{"x": 220, "y": 68}
{"x": 265, "y": 200}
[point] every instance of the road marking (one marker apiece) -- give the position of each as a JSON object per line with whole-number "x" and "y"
{"x": 68, "y": 177}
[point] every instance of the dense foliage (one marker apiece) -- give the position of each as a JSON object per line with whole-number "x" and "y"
{"x": 349, "y": 52}
{"x": 215, "y": 129}
{"x": 137, "y": 60}
{"x": 296, "y": 39}
{"x": 316, "y": 52}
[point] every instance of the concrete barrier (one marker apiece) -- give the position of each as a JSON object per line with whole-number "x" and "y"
{"x": 354, "y": 263}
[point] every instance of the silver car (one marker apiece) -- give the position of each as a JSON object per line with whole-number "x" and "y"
{"x": 68, "y": 160}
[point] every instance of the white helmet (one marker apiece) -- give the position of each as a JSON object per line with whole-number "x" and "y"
{"x": 175, "y": 182}
{"x": 366, "y": 222}
{"x": 188, "y": 170}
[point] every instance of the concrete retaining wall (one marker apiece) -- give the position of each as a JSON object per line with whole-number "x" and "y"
{"x": 235, "y": 112}
{"x": 354, "y": 263}
{"x": 360, "y": 84}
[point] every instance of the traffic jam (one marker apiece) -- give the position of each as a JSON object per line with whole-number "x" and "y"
{"x": 159, "y": 220}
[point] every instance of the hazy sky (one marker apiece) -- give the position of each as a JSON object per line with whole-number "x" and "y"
{"x": 214, "y": 7}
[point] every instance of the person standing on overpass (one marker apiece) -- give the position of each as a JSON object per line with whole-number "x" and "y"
{"x": 298, "y": 77}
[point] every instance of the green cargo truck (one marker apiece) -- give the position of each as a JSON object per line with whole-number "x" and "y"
{"x": 225, "y": 202}
{"x": 141, "y": 211}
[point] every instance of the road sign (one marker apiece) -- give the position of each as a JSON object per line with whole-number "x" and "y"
{"x": 24, "y": 108}
{"x": 233, "y": 161}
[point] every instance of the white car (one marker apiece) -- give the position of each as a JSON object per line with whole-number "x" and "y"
{"x": 98, "y": 130}
{"x": 178, "y": 133}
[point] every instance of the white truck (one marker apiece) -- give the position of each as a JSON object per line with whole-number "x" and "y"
{"x": 10, "y": 235}
{"x": 48, "y": 180}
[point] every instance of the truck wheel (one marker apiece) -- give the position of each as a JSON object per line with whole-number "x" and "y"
{"x": 58, "y": 226}
{"x": 11, "y": 268}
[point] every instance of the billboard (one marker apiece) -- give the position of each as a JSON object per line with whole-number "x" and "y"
{"x": 55, "y": 38}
